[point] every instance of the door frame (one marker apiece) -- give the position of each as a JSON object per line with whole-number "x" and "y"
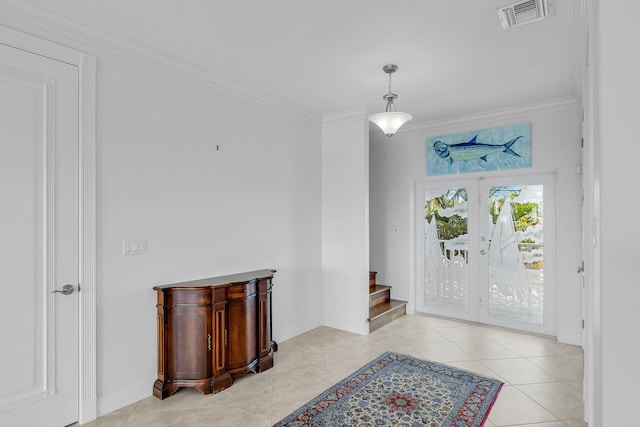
{"x": 86, "y": 65}
{"x": 416, "y": 242}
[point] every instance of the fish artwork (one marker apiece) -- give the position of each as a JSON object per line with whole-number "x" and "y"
{"x": 472, "y": 150}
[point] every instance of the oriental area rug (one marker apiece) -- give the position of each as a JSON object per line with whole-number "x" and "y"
{"x": 397, "y": 390}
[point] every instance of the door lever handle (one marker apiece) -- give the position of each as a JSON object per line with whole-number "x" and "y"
{"x": 66, "y": 290}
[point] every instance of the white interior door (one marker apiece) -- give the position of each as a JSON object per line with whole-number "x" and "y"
{"x": 39, "y": 232}
{"x": 485, "y": 250}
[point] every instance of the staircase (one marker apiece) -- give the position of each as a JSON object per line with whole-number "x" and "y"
{"x": 382, "y": 309}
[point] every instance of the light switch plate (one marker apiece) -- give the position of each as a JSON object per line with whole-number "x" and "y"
{"x": 134, "y": 247}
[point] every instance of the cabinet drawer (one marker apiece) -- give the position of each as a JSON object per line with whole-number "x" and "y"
{"x": 175, "y": 297}
{"x": 241, "y": 290}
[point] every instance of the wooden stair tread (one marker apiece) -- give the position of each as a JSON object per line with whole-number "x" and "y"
{"x": 384, "y": 308}
{"x": 378, "y": 288}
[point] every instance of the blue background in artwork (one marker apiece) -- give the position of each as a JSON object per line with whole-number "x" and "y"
{"x": 497, "y": 161}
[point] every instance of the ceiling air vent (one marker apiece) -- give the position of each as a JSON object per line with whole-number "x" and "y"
{"x": 524, "y": 12}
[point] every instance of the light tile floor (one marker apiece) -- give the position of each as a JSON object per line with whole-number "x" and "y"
{"x": 543, "y": 379}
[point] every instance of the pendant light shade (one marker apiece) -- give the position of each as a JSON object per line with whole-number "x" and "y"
{"x": 391, "y": 120}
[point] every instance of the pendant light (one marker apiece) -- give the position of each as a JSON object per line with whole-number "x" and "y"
{"x": 391, "y": 120}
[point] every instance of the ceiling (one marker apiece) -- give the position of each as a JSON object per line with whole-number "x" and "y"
{"x": 323, "y": 57}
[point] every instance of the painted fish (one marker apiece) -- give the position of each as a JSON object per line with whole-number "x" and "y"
{"x": 472, "y": 150}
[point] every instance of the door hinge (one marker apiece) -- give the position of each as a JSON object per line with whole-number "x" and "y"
{"x": 582, "y": 323}
{"x": 581, "y": 267}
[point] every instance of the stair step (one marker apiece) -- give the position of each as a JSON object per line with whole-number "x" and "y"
{"x": 377, "y": 289}
{"x": 381, "y": 309}
{"x": 379, "y": 294}
{"x": 381, "y": 314}
{"x": 372, "y": 280}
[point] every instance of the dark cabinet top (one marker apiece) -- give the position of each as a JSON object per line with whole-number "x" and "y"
{"x": 220, "y": 280}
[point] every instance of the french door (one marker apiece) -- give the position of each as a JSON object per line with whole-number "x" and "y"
{"x": 485, "y": 250}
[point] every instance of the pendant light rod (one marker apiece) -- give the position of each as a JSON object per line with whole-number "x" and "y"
{"x": 390, "y": 96}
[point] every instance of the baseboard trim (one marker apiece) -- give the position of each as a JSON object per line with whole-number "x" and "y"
{"x": 360, "y": 328}
{"x": 88, "y": 410}
{"x": 567, "y": 337}
{"x": 293, "y": 331}
{"x": 124, "y": 397}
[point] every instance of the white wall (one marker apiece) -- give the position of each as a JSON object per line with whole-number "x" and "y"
{"x": 254, "y": 203}
{"x": 398, "y": 162}
{"x": 345, "y": 221}
{"x": 618, "y": 152}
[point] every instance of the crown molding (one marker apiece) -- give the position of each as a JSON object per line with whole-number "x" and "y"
{"x": 346, "y": 116}
{"x": 509, "y": 113}
{"x": 55, "y": 23}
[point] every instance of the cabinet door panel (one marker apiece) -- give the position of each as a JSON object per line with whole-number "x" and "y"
{"x": 242, "y": 335}
{"x": 190, "y": 328}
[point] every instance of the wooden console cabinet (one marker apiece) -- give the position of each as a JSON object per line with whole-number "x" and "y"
{"x": 211, "y": 331}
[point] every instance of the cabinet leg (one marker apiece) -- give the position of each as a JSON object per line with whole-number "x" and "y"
{"x": 266, "y": 363}
{"x": 221, "y": 382}
{"x": 162, "y": 390}
{"x": 205, "y": 388}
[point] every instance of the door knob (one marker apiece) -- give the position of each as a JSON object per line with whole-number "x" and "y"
{"x": 483, "y": 252}
{"x": 66, "y": 290}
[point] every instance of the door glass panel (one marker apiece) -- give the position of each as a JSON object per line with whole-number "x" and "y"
{"x": 516, "y": 253}
{"x": 446, "y": 249}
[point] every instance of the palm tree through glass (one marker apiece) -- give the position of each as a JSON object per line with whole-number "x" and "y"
{"x": 446, "y": 249}
{"x": 515, "y": 252}
{"x": 516, "y": 249}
